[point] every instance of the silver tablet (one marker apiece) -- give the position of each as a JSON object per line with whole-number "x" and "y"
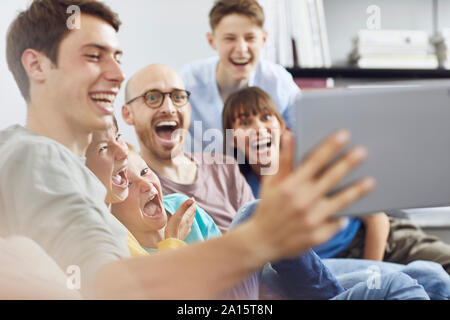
{"x": 406, "y": 131}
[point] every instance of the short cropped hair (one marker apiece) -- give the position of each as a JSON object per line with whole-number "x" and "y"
{"x": 42, "y": 27}
{"x": 248, "y": 8}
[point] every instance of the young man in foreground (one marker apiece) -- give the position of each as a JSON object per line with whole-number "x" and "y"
{"x": 69, "y": 79}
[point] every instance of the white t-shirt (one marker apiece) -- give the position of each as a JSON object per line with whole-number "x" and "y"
{"x": 48, "y": 195}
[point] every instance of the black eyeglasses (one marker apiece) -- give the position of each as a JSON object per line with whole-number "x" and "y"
{"x": 155, "y": 98}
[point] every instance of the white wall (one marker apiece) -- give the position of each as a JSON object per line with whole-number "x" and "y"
{"x": 173, "y": 32}
{"x": 12, "y": 108}
{"x": 169, "y": 31}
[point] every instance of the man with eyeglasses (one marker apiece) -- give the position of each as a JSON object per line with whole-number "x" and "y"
{"x": 158, "y": 107}
{"x": 69, "y": 80}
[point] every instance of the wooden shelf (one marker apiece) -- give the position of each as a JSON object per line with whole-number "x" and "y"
{"x": 358, "y": 73}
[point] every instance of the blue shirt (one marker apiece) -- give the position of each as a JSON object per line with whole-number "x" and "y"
{"x": 253, "y": 182}
{"x": 340, "y": 241}
{"x": 203, "y": 227}
{"x": 200, "y": 79}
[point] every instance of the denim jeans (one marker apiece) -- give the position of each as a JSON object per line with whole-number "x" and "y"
{"x": 391, "y": 286}
{"x": 306, "y": 277}
{"x": 430, "y": 275}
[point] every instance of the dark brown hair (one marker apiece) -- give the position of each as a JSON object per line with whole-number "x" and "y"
{"x": 42, "y": 27}
{"x": 250, "y": 100}
{"x": 248, "y": 8}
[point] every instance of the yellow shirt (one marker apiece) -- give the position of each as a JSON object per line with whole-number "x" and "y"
{"x": 170, "y": 244}
{"x": 134, "y": 246}
{"x": 136, "y": 250}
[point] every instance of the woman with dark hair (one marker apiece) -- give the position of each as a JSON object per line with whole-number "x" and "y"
{"x": 254, "y": 128}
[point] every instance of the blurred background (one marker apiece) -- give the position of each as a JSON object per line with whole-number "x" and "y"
{"x": 173, "y": 32}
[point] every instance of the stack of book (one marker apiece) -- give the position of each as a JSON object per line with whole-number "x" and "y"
{"x": 429, "y": 217}
{"x": 442, "y": 43}
{"x": 297, "y": 33}
{"x": 393, "y": 49}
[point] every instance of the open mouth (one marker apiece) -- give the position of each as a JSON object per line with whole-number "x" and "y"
{"x": 104, "y": 100}
{"x": 152, "y": 207}
{"x": 240, "y": 62}
{"x": 165, "y": 130}
{"x": 120, "y": 179}
{"x": 262, "y": 144}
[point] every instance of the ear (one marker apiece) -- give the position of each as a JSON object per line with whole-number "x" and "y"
{"x": 265, "y": 34}
{"x": 127, "y": 115}
{"x": 210, "y": 39}
{"x": 35, "y": 64}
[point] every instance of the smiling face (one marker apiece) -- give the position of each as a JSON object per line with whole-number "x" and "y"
{"x": 257, "y": 136}
{"x": 256, "y": 127}
{"x": 238, "y": 41}
{"x": 162, "y": 130}
{"x": 88, "y": 76}
{"x": 143, "y": 209}
{"x": 107, "y": 156}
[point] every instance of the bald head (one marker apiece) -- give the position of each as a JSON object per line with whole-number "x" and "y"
{"x": 161, "y": 129}
{"x": 153, "y": 76}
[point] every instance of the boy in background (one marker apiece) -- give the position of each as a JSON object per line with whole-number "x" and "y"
{"x": 238, "y": 36}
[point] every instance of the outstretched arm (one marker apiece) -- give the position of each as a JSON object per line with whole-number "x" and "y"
{"x": 293, "y": 215}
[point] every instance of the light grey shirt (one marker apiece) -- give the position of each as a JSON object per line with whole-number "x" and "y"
{"x": 50, "y": 196}
{"x": 44, "y": 280}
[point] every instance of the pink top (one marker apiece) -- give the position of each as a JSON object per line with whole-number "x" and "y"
{"x": 220, "y": 188}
